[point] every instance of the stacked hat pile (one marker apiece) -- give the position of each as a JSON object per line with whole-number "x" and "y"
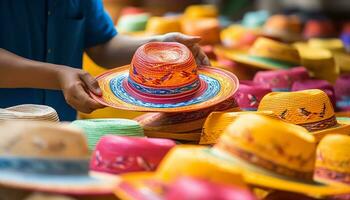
{"x": 94, "y": 129}
{"x": 29, "y": 112}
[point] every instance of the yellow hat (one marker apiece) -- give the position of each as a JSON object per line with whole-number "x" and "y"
{"x": 159, "y": 26}
{"x": 217, "y": 122}
{"x": 182, "y": 161}
{"x": 311, "y": 109}
{"x": 332, "y": 160}
{"x": 199, "y": 11}
{"x": 319, "y": 62}
{"x": 333, "y": 44}
{"x": 269, "y": 54}
{"x": 272, "y": 154}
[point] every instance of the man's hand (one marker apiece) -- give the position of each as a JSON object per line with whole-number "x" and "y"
{"x": 191, "y": 42}
{"x": 75, "y": 83}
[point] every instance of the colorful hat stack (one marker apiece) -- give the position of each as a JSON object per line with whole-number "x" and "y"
{"x": 47, "y": 157}
{"x": 183, "y": 127}
{"x": 132, "y": 20}
{"x": 323, "y": 85}
{"x": 283, "y": 27}
{"x": 281, "y": 80}
{"x": 94, "y": 129}
{"x": 164, "y": 77}
{"x": 30, "y": 112}
{"x": 272, "y": 154}
{"x": 117, "y": 155}
{"x": 342, "y": 93}
{"x": 249, "y": 94}
{"x": 311, "y": 109}
{"x": 188, "y": 172}
{"x": 269, "y": 54}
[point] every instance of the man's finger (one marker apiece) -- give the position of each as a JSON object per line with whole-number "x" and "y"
{"x": 84, "y": 100}
{"x": 91, "y": 83}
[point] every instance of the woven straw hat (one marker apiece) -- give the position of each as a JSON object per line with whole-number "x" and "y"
{"x": 29, "y": 112}
{"x": 185, "y": 126}
{"x": 94, "y": 129}
{"x": 48, "y": 157}
{"x": 272, "y": 154}
{"x": 269, "y": 54}
{"x": 311, "y": 109}
{"x": 163, "y": 77}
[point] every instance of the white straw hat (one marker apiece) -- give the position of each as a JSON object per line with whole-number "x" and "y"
{"x": 29, "y": 112}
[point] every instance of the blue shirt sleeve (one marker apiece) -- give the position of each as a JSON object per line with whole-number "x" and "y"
{"x": 99, "y": 25}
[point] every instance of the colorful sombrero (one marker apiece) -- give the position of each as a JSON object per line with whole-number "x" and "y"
{"x": 47, "y": 157}
{"x": 184, "y": 162}
{"x": 163, "y": 77}
{"x": 269, "y": 54}
{"x": 272, "y": 154}
{"x": 311, "y": 109}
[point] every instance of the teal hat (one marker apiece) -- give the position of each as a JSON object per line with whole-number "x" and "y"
{"x": 255, "y": 19}
{"x": 94, "y": 129}
{"x": 132, "y": 23}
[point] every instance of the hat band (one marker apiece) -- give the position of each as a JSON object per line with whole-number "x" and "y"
{"x": 266, "y": 164}
{"x": 332, "y": 175}
{"x": 180, "y": 97}
{"x": 320, "y": 125}
{"x": 44, "y": 166}
{"x": 120, "y": 164}
{"x": 190, "y": 88}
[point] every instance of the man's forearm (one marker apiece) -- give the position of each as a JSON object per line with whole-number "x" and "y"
{"x": 118, "y": 51}
{"x": 19, "y": 72}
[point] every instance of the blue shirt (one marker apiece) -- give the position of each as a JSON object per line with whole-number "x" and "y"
{"x": 54, "y": 31}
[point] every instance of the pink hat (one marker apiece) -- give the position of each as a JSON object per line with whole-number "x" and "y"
{"x": 342, "y": 92}
{"x": 281, "y": 80}
{"x": 198, "y": 189}
{"x": 117, "y": 154}
{"x": 315, "y": 84}
{"x": 249, "y": 95}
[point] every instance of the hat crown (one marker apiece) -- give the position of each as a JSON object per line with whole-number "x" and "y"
{"x": 192, "y": 161}
{"x": 284, "y": 148}
{"x": 309, "y": 108}
{"x": 163, "y": 65}
{"x": 42, "y": 140}
{"x": 264, "y": 47}
{"x": 333, "y": 159}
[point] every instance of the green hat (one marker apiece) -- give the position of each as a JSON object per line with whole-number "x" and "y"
{"x": 94, "y": 129}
